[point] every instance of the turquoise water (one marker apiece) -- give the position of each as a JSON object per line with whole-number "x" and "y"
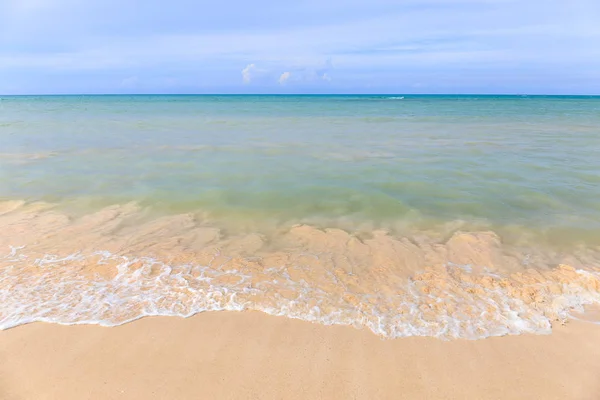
{"x": 121, "y": 207}
{"x": 506, "y": 163}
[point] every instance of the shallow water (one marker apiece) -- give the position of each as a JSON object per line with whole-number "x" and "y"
{"x": 325, "y": 208}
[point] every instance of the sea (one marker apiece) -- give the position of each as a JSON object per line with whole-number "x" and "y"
{"x": 454, "y": 216}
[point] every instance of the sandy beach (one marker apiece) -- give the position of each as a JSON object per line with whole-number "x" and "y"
{"x": 249, "y": 355}
{"x": 299, "y": 247}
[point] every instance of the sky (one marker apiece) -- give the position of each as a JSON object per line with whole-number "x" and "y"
{"x": 306, "y": 46}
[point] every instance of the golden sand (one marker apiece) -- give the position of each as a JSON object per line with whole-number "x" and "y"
{"x": 249, "y": 355}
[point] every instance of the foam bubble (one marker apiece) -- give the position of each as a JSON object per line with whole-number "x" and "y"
{"x": 452, "y": 302}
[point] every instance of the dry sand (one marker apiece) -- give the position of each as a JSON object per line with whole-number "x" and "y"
{"x": 250, "y": 355}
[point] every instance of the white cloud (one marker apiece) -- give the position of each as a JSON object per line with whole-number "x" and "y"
{"x": 307, "y": 74}
{"x": 247, "y": 73}
{"x": 435, "y": 42}
{"x": 284, "y": 77}
{"x": 253, "y": 74}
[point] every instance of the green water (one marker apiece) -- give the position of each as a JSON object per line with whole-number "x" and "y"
{"x": 509, "y": 163}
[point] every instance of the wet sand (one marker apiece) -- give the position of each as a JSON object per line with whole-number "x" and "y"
{"x": 250, "y": 355}
{"x": 118, "y": 264}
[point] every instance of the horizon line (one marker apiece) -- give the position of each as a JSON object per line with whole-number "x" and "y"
{"x": 301, "y": 94}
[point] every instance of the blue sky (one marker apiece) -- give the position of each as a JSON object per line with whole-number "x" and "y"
{"x": 310, "y": 46}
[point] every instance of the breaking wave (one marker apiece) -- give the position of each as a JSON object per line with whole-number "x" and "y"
{"x": 447, "y": 302}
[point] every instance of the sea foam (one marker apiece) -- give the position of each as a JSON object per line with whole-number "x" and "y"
{"x": 452, "y": 302}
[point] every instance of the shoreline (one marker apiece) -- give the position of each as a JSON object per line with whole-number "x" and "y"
{"x": 110, "y": 268}
{"x": 252, "y": 355}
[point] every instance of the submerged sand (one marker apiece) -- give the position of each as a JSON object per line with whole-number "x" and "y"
{"x": 250, "y": 355}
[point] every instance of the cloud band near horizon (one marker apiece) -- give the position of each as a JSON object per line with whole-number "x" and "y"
{"x": 352, "y": 46}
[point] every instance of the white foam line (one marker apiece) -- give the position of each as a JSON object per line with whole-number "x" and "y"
{"x": 60, "y": 295}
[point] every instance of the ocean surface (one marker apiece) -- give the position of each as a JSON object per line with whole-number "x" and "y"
{"x": 446, "y": 216}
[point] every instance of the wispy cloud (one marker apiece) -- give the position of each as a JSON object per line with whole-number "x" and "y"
{"x": 377, "y": 43}
{"x": 284, "y": 74}
{"x": 284, "y": 77}
{"x": 247, "y": 73}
